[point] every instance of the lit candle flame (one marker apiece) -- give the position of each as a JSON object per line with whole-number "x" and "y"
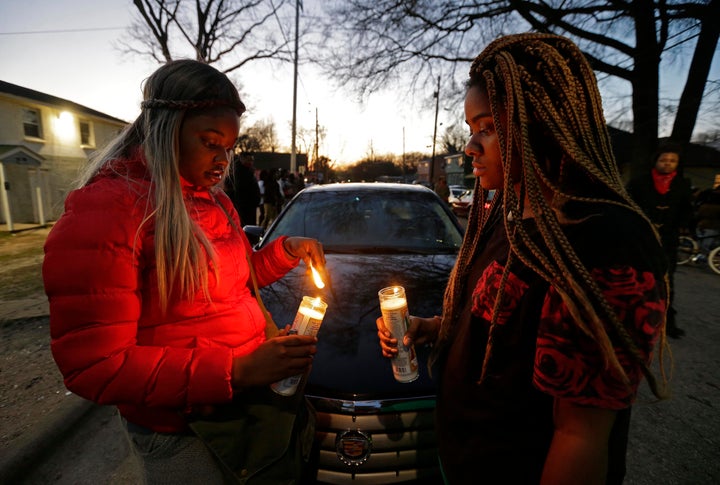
{"x": 316, "y": 278}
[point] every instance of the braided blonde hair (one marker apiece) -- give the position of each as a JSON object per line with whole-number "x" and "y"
{"x": 555, "y": 129}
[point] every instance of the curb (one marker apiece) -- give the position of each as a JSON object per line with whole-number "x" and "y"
{"x": 41, "y": 438}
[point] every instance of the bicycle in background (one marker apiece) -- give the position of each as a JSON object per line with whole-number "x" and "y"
{"x": 690, "y": 251}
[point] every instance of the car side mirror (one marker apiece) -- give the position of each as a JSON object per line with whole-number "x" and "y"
{"x": 254, "y": 234}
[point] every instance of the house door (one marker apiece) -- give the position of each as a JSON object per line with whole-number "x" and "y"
{"x": 16, "y": 192}
{"x": 41, "y": 195}
{"x": 19, "y": 192}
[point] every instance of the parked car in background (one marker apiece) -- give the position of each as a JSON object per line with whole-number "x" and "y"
{"x": 424, "y": 183}
{"x": 370, "y": 428}
{"x": 461, "y": 206}
{"x": 455, "y": 192}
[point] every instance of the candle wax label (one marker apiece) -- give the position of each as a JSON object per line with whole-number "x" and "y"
{"x": 405, "y": 364}
{"x": 287, "y": 386}
{"x": 306, "y": 325}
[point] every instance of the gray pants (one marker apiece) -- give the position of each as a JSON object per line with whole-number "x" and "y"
{"x": 168, "y": 458}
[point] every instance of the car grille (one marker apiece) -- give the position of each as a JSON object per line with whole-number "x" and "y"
{"x": 373, "y": 442}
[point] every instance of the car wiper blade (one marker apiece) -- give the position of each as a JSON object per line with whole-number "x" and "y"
{"x": 353, "y": 250}
{"x": 386, "y": 250}
{"x": 442, "y": 250}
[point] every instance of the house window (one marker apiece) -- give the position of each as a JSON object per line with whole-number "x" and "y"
{"x": 31, "y": 123}
{"x": 86, "y": 133}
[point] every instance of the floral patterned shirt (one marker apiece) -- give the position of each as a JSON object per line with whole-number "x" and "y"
{"x": 504, "y": 424}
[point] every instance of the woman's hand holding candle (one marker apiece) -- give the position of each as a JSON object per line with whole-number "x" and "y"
{"x": 307, "y": 321}
{"x": 420, "y": 331}
{"x": 275, "y": 359}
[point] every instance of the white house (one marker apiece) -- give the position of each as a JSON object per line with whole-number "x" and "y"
{"x": 455, "y": 169}
{"x": 44, "y": 141}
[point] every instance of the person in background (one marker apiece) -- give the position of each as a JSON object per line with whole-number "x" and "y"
{"x": 148, "y": 277}
{"x": 558, "y": 295}
{"x": 272, "y": 197}
{"x": 707, "y": 217}
{"x": 666, "y": 198}
{"x": 261, "y": 203}
{"x": 242, "y": 188}
{"x": 299, "y": 182}
{"x": 442, "y": 189}
{"x": 288, "y": 186}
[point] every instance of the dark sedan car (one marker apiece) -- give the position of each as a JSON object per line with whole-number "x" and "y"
{"x": 370, "y": 428}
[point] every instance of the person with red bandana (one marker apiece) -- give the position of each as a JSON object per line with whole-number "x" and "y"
{"x": 666, "y": 198}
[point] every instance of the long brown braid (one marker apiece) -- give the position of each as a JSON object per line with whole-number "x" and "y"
{"x": 555, "y": 129}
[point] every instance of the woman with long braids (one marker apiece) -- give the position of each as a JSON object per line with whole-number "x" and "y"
{"x": 152, "y": 285}
{"x": 559, "y": 294}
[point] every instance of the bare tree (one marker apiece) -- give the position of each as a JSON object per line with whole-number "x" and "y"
{"x": 260, "y": 137}
{"x": 265, "y": 131}
{"x": 692, "y": 95}
{"x": 379, "y": 42}
{"x": 454, "y": 138}
{"x": 232, "y": 31}
{"x": 305, "y": 139}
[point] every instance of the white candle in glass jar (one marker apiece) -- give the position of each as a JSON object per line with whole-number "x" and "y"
{"x": 393, "y": 306}
{"x": 307, "y": 321}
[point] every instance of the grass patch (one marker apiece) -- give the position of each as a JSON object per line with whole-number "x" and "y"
{"x": 24, "y": 282}
{"x": 21, "y": 259}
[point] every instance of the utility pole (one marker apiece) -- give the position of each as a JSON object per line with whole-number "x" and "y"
{"x": 403, "y": 156}
{"x": 293, "y": 153}
{"x": 437, "y": 106}
{"x": 316, "y": 140}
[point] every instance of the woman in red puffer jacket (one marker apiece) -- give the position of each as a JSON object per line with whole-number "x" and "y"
{"x": 147, "y": 274}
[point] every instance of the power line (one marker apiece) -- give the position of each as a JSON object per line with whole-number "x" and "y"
{"x": 64, "y": 31}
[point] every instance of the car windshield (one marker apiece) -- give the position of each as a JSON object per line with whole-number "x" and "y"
{"x": 456, "y": 191}
{"x": 373, "y": 221}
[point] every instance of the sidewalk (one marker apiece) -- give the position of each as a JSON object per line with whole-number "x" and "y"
{"x": 19, "y": 227}
{"x": 26, "y": 337}
{"x": 29, "y": 452}
{"x": 677, "y": 441}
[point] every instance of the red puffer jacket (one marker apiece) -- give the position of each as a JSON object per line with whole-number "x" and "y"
{"x": 109, "y": 338}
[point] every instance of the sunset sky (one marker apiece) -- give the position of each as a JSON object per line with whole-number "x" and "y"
{"x": 66, "y": 49}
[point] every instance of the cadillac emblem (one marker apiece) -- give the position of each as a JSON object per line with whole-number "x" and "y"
{"x": 353, "y": 447}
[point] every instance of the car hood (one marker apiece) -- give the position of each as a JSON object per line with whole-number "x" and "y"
{"x": 349, "y": 363}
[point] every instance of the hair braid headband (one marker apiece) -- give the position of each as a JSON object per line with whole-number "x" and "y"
{"x": 187, "y": 104}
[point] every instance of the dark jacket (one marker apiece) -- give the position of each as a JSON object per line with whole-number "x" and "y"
{"x": 272, "y": 190}
{"x": 242, "y": 188}
{"x": 669, "y": 212}
{"x": 708, "y": 211}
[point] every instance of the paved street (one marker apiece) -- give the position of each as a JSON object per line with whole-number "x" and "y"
{"x": 675, "y": 442}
